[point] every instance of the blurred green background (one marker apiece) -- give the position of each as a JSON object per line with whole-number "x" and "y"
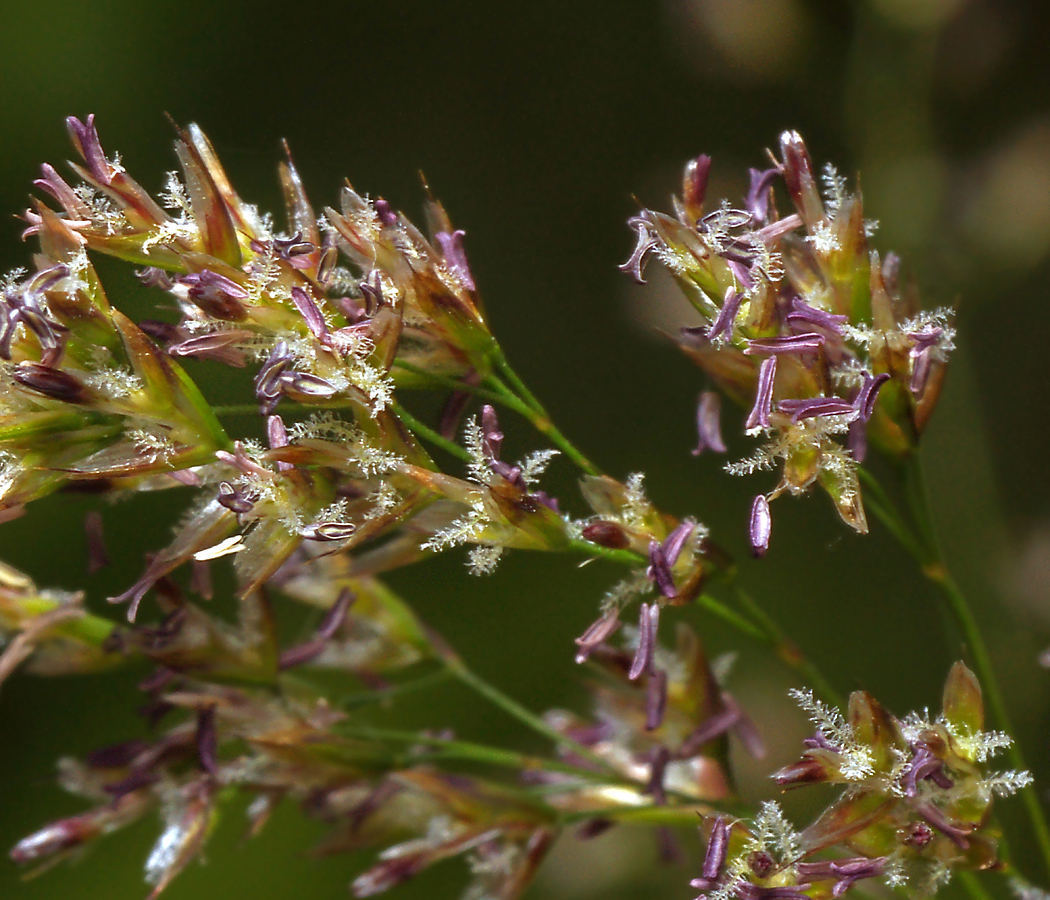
{"x": 536, "y": 123}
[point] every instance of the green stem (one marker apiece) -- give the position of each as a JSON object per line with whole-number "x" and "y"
{"x": 237, "y": 409}
{"x": 624, "y": 557}
{"x": 719, "y": 609}
{"x": 470, "y": 751}
{"x": 927, "y": 553}
{"x": 364, "y": 698}
{"x": 520, "y": 388}
{"x": 788, "y": 651}
{"x": 972, "y": 884}
{"x": 428, "y": 434}
{"x": 454, "y": 384}
{"x": 514, "y": 709}
{"x": 879, "y": 502}
{"x": 539, "y": 417}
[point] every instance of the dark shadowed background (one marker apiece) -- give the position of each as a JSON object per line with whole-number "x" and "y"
{"x": 535, "y": 123}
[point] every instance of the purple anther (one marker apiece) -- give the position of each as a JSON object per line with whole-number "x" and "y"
{"x": 596, "y": 634}
{"x": 924, "y": 765}
{"x": 606, "y": 534}
{"x": 712, "y": 727}
{"x": 372, "y": 290}
{"x": 864, "y": 401}
{"x": 675, "y": 542}
{"x": 308, "y": 309}
{"x": 85, "y": 139}
{"x": 491, "y": 435}
{"x": 658, "y": 760}
{"x": 655, "y": 699}
{"x": 759, "y": 525}
{"x": 759, "y": 416}
{"x": 717, "y": 848}
{"x": 804, "y": 314}
{"x": 55, "y": 185}
{"x": 724, "y": 321}
{"x": 336, "y": 615}
{"x": 816, "y": 407}
{"x": 659, "y": 570}
{"x": 645, "y": 244}
{"x": 788, "y": 343}
{"x": 219, "y": 345}
{"x": 648, "y": 621}
{"x": 957, "y": 834}
{"x": 741, "y": 271}
{"x": 233, "y": 500}
{"x": 455, "y": 257}
{"x": 385, "y": 212}
{"x": 329, "y": 532}
{"x": 326, "y": 265}
{"x": 52, "y": 383}
{"x": 217, "y": 295}
{"x": 758, "y": 193}
{"x": 306, "y": 385}
{"x": 268, "y": 379}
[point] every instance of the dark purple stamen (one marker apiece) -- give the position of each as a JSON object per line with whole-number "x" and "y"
{"x": 864, "y": 402}
{"x": 332, "y": 622}
{"x": 659, "y": 570}
{"x": 648, "y": 621}
{"x": 85, "y": 139}
{"x": 455, "y": 257}
{"x": 845, "y": 872}
{"x": 294, "y": 250}
{"x": 329, "y": 532}
{"x": 758, "y": 193}
{"x": 306, "y": 385}
{"x": 234, "y": 500}
{"x": 606, "y": 534}
{"x": 955, "y": 833}
{"x": 723, "y": 324}
{"x": 645, "y": 244}
{"x": 218, "y": 346}
{"x": 655, "y": 699}
{"x": 52, "y": 383}
{"x": 372, "y": 290}
{"x": 491, "y": 436}
{"x": 385, "y": 212}
{"x": 717, "y": 847}
{"x": 789, "y": 343}
{"x": 924, "y": 765}
{"x": 804, "y": 314}
{"x": 815, "y": 407}
{"x": 596, "y": 634}
{"x": 277, "y": 437}
{"x": 55, "y": 185}
{"x": 759, "y": 525}
{"x": 216, "y": 294}
{"x": 304, "y": 303}
{"x": 759, "y": 416}
{"x": 741, "y": 271}
{"x": 658, "y": 760}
